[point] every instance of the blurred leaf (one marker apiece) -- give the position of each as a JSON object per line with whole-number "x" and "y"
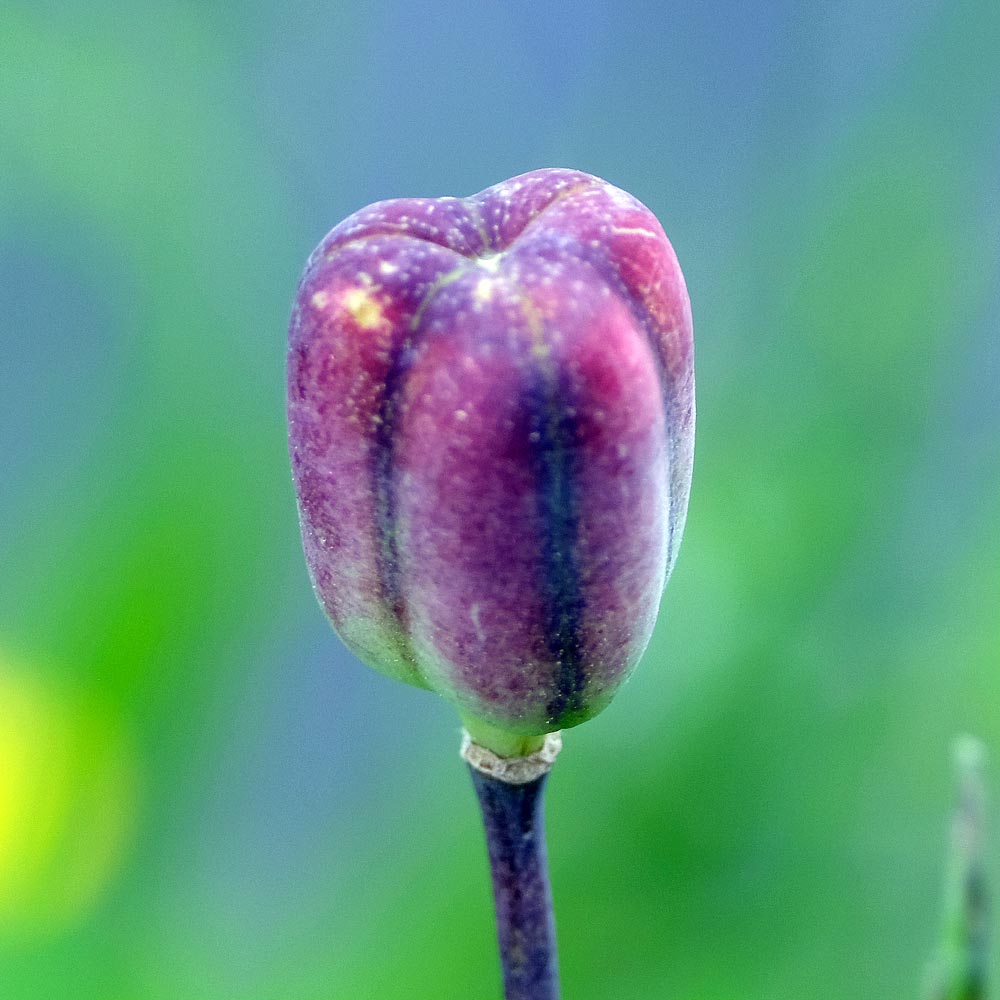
{"x": 961, "y": 970}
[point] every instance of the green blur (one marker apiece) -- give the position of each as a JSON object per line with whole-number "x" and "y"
{"x": 201, "y": 797}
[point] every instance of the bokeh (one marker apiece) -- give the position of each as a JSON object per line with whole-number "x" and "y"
{"x": 202, "y": 797}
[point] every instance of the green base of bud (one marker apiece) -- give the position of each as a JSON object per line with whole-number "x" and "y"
{"x": 502, "y": 742}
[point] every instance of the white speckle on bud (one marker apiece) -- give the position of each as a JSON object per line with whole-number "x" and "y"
{"x": 484, "y": 290}
{"x": 476, "y": 623}
{"x": 633, "y": 231}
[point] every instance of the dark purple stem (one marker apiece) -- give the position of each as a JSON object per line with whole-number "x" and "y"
{"x": 515, "y": 836}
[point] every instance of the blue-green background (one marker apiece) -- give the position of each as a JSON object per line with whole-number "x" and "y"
{"x": 202, "y": 797}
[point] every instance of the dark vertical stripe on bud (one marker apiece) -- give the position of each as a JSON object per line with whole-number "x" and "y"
{"x": 553, "y": 437}
{"x": 383, "y": 455}
{"x": 647, "y": 324}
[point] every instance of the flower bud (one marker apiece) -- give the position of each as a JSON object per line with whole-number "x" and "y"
{"x": 491, "y": 420}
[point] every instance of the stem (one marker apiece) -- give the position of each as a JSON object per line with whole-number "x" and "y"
{"x": 513, "y": 816}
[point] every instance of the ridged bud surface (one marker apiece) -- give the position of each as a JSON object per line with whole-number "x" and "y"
{"x": 491, "y": 420}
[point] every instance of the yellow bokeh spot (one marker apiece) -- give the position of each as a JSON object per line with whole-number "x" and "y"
{"x": 67, "y": 803}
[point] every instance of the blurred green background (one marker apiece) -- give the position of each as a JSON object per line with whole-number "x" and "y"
{"x": 201, "y": 796}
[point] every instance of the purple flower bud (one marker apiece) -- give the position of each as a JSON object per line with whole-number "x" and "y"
{"x": 491, "y": 420}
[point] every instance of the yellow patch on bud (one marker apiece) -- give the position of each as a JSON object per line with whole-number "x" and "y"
{"x": 364, "y": 310}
